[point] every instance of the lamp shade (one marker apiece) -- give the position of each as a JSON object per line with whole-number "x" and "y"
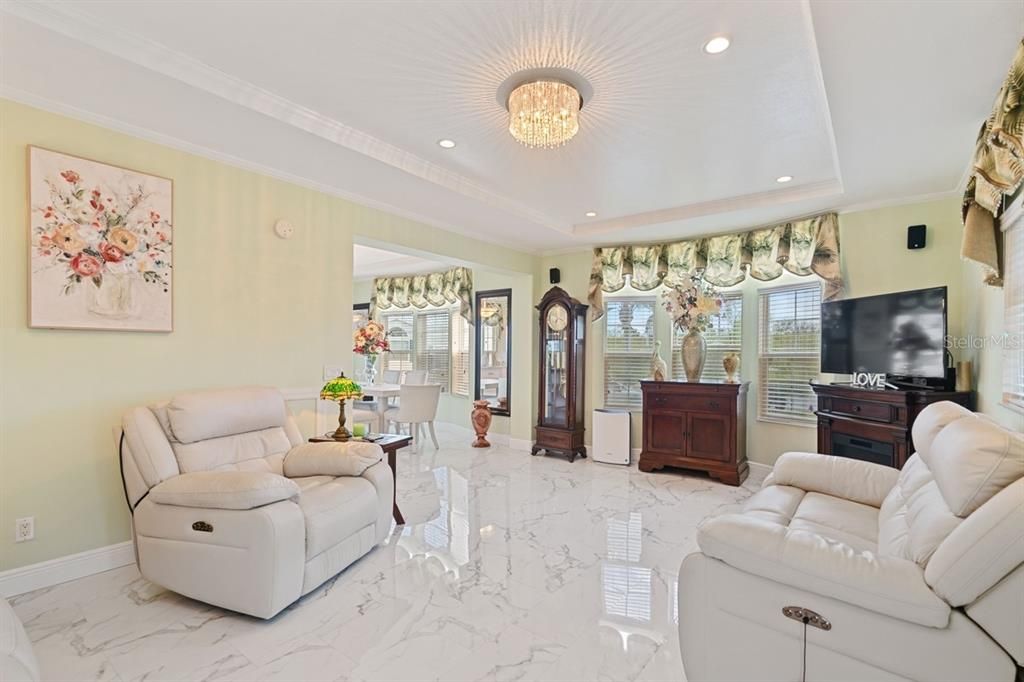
{"x": 340, "y": 389}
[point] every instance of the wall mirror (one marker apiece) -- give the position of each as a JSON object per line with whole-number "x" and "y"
{"x": 493, "y": 356}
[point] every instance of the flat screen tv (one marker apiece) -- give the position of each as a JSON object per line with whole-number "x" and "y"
{"x": 901, "y": 334}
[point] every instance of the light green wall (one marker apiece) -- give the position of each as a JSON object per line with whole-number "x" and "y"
{"x": 983, "y": 320}
{"x": 875, "y": 260}
{"x": 249, "y": 309}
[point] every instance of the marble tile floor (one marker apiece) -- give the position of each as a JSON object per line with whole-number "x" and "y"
{"x": 511, "y": 567}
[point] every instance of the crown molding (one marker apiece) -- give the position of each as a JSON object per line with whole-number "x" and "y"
{"x": 714, "y": 207}
{"x": 156, "y": 57}
{"x": 86, "y": 116}
{"x": 900, "y": 201}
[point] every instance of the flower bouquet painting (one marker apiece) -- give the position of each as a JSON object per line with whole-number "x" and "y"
{"x": 370, "y": 341}
{"x": 692, "y": 305}
{"x": 101, "y": 245}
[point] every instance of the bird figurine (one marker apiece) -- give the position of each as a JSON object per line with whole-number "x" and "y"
{"x": 659, "y": 370}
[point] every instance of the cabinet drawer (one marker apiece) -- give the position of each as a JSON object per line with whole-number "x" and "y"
{"x": 862, "y": 409}
{"x": 689, "y": 403}
{"x": 554, "y": 438}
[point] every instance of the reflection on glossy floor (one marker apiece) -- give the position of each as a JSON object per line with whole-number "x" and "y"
{"x": 511, "y": 568}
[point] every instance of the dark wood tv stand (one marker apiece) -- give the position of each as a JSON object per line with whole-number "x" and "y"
{"x": 873, "y": 424}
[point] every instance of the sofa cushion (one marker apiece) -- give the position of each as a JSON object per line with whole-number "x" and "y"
{"x": 224, "y": 490}
{"x": 336, "y": 510}
{"x": 202, "y": 415}
{"x": 837, "y": 519}
{"x": 914, "y": 519}
{"x": 307, "y": 482}
{"x": 932, "y": 420}
{"x": 331, "y": 459}
{"x": 262, "y": 450}
{"x": 832, "y": 518}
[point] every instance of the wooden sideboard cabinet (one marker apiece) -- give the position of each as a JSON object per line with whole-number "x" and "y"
{"x": 700, "y": 426}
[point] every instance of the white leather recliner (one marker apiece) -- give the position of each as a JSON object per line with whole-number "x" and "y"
{"x": 231, "y": 507}
{"x": 919, "y": 573}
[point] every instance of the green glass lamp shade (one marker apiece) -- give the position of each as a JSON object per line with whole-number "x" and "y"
{"x": 339, "y": 389}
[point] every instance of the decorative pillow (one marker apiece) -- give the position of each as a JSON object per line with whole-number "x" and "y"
{"x": 224, "y": 490}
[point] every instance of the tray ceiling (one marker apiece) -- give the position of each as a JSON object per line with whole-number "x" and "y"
{"x": 859, "y": 102}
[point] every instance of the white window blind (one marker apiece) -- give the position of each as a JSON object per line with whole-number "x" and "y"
{"x": 789, "y": 344}
{"x": 400, "y": 338}
{"x": 725, "y": 335}
{"x": 1013, "y": 315}
{"x": 432, "y": 346}
{"x": 628, "y": 346}
{"x": 461, "y": 335}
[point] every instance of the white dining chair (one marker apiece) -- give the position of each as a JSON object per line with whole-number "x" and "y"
{"x": 417, "y": 406}
{"x": 416, "y": 377}
{"x": 365, "y": 411}
{"x": 392, "y": 376}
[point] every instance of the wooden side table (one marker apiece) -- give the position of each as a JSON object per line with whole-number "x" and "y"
{"x": 391, "y": 443}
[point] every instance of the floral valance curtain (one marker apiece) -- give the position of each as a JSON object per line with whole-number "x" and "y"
{"x": 997, "y": 171}
{"x": 420, "y": 291}
{"x": 801, "y": 247}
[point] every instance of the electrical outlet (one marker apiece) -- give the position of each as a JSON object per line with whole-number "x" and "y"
{"x": 331, "y": 371}
{"x": 25, "y": 529}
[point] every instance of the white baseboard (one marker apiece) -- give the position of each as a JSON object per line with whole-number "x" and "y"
{"x": 758, "y": 472}
{"x": 62, "y": 569}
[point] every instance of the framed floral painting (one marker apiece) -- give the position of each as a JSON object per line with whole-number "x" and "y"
{"x": 101, "y": 245}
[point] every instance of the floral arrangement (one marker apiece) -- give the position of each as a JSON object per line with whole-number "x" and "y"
{"x": 371, "y": 339}
{"x": 96, "y": 231}
{"x": 692, "y": 305}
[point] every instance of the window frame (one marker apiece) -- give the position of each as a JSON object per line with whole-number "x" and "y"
{"x": 461, "y": 352}
{"x": 765, "y": 358}
{"x": 421, "y": 317}
{"x": 609, "y": 301}
{"x": 1011, "y": 388}
{"x": 676, "y": 372}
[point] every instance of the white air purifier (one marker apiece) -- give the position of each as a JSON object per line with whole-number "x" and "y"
{"x": 611, "y": 437}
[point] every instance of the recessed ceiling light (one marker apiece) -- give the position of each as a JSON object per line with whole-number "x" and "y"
{"x": 716, "y": 45}
{"x": 591, "y": 214}
{"x": 784, "y": 178}
{"x": 446, "y": 143}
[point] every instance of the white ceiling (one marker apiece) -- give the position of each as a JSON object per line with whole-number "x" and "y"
{"x": 369, "y": 262}
{"x": 862, "y": 102}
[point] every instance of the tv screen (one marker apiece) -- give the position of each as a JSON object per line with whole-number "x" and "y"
{"x": 901, "y": 334}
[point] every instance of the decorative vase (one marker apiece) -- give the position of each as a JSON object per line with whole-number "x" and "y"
{"x": 114, "y": 296}
{"x": 481, "y": 418}
{"x": 694, "y": 352}
{"x": 371, "y": 368}
{"x": 731, "y": 363}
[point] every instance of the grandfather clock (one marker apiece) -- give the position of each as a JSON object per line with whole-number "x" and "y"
{"x": 563, "y": 323}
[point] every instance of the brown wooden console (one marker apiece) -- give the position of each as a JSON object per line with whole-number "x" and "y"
{"x": 873, "y": 424}
{"x": 696, "y": 426}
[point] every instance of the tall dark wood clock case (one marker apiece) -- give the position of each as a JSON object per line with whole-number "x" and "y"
{"x": 563, "y": 324}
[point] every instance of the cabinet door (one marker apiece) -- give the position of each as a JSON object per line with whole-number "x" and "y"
{"x": 709, "y": 436}
{"x": 665, "y": 431}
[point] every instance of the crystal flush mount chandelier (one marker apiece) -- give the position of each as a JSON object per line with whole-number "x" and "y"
{"x": 543, "y": 106}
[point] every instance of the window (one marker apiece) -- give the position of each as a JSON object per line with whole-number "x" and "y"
{"x": 461, "y": 339}
{"x": 725, "y": 335}
{"x": 628, "y": 346}
{"x": 400, "y": 338}
{"x": 1013, "y": 314}
{"x": 789, "y": 343}
{"x": 432, "y": 346}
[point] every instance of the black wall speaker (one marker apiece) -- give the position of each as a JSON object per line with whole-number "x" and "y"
{"x": 916, "y": 236}
{"x": 556, "y": 275}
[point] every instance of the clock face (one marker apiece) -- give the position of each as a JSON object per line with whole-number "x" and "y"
{"x": 557, "y": 318}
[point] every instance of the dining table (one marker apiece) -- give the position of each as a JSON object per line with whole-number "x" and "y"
{"x": 383, "y": 394}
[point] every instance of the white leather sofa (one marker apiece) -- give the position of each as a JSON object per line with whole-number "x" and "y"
{"x": 231, "y": 507}
{"x": 920, "y": 572}
{"x": 17, "y": 662}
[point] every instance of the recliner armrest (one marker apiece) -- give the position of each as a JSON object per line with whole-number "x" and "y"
{"x": 850, "y": 479}
{"x": 331, "y": 459}
{"x": 888, "y": 585}
{"x": 224, "y": 490}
